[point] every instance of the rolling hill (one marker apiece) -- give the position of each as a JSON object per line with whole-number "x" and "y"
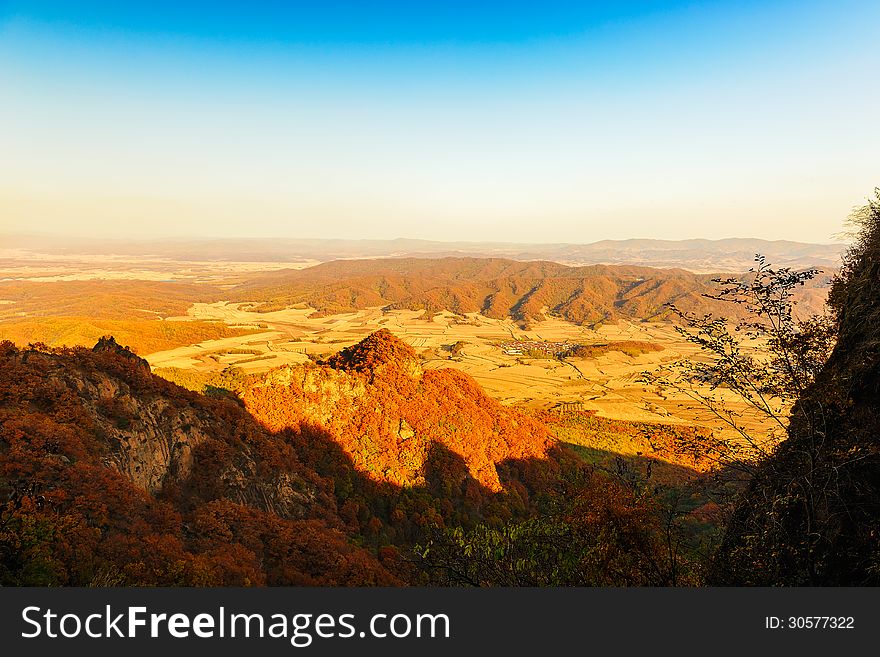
{"x": 497, "y": 288}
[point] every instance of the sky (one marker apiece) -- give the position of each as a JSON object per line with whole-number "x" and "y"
{"x": 498, "y": 121}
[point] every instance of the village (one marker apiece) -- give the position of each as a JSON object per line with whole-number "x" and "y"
{"x": 537, "y": 348}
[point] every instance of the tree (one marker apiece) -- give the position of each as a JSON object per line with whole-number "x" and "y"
{"x": 596, "y": 532}
{"x": 766, "y": 359}
{"x": 811, "y": 513}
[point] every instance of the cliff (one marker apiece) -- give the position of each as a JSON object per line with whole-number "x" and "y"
{"x": 113, "y": 475}
{"x": 811, "y": 516}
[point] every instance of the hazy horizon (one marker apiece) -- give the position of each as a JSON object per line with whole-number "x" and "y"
{"x": 839, "y": 240}
{"x": 505, "y": 122}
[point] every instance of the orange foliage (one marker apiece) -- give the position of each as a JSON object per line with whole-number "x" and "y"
{"x": 102, "y": 299}
{"x": 496, "y": 287}
{"x": 145, "y": 336}
{"x": 351, "y": 463}
{"x": 387, "y": 415}
{"x": 673, "y": 444}
{"x": 247, "y": 513}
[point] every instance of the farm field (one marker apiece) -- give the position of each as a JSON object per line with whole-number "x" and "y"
{"x": 33, "y": 266}
{"x": 608, "y": 384}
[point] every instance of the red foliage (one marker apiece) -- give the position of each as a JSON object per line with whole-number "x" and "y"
{"x": 246, "y": 513}
{"x": 386, "y": 415}
{"x": 351, "y": 462}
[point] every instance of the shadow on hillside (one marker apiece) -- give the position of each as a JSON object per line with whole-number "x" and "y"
{"x": 291, "y": 501}
{"x": 377, "y": 513}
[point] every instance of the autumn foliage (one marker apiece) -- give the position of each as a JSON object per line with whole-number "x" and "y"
{"x": 495, "y": 287}
{"x": 239, "y": 509}
{"x": 387, "y": 415}
{"x": 325, "y": 474}
{"x": 145, "y": 336}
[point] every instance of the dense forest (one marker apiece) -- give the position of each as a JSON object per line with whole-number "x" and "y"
{"x": 497, "y": 288}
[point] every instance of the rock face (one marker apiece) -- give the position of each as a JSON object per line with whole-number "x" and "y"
{"x": 108, "y": 345}
{"x": 111, "y": 474}
{"x": 148, "y": 430}
{"x": 388, "y": 414}
{"x": 152, "y": 440}
{"x": 812, "y": 514}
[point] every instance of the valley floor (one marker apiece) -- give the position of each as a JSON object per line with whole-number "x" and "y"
{"x": 611, "y": 384}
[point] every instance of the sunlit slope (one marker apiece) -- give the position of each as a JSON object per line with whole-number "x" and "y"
{"x": 494, "y": 287}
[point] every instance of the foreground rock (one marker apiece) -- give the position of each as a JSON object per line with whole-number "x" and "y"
{"x": 115, "y": 476}
{"x": 812, "y": 514}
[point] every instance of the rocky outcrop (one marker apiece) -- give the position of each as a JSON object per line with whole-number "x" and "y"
{"x": 322, "y": 392}
{"x": 110, "y": 475}
{"x": 149, "y": 430}
{"x": 388, "y": 415}
{"x": 108, "y": 345}
{"x": 151, "y": 440}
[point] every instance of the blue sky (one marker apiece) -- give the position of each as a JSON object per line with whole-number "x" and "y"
{"x": 511, "y": 121}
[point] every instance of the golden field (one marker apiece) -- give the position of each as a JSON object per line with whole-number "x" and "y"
{"x": 610, "y": 384}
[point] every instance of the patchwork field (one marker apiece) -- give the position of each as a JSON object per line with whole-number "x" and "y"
{"x": 168, "y": 309}
{"x": 609, "y": 383}
{"x": 33, "y": 266}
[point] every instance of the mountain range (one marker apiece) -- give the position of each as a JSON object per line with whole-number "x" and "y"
{"x": 698, "y": 255}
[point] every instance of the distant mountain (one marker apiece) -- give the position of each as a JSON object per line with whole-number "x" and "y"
{"x": 499, "y": 288}
{"x": 698, "y": 255}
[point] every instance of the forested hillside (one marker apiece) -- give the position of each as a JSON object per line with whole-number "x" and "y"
{"x": 111, "y": 475}
{"x": 78, "y": 313}
{"x": 497, "y": 288}
{"x": 388, "y": 415}
{"x": 357, "y": 471}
